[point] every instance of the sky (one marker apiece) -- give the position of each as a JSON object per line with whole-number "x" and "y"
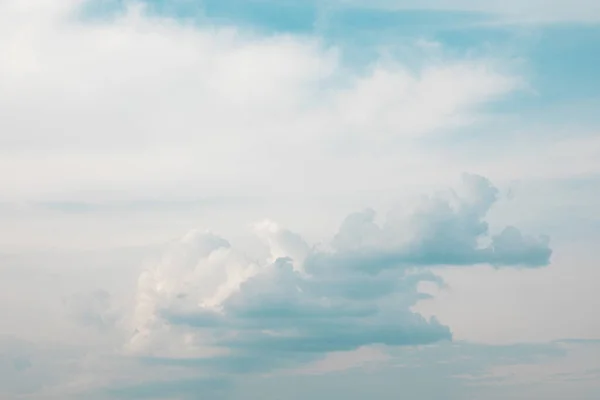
{"x": 292, "y": 199}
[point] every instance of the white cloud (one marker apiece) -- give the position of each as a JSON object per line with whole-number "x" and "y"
{"x": 205, "y": 298}
{"x": 141, "y": 105}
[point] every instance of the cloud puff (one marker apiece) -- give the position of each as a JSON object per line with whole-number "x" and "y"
{"x": 208, "y": 301}
{"x": 444, "y": 230}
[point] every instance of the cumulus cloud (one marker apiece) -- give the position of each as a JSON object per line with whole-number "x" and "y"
{"x": 205, "y": 300}
{"x": 443, "y": 230}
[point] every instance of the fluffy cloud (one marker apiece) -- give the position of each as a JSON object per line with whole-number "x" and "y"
{"x": 207, "y": 301}
{"x": 444, "y": 230}
{"x": 153, "y": 105}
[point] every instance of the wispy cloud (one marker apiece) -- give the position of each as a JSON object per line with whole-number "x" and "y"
{"x": 148, "y": 104}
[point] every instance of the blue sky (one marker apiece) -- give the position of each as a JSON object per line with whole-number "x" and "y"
{"x": 293, "y": 199}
